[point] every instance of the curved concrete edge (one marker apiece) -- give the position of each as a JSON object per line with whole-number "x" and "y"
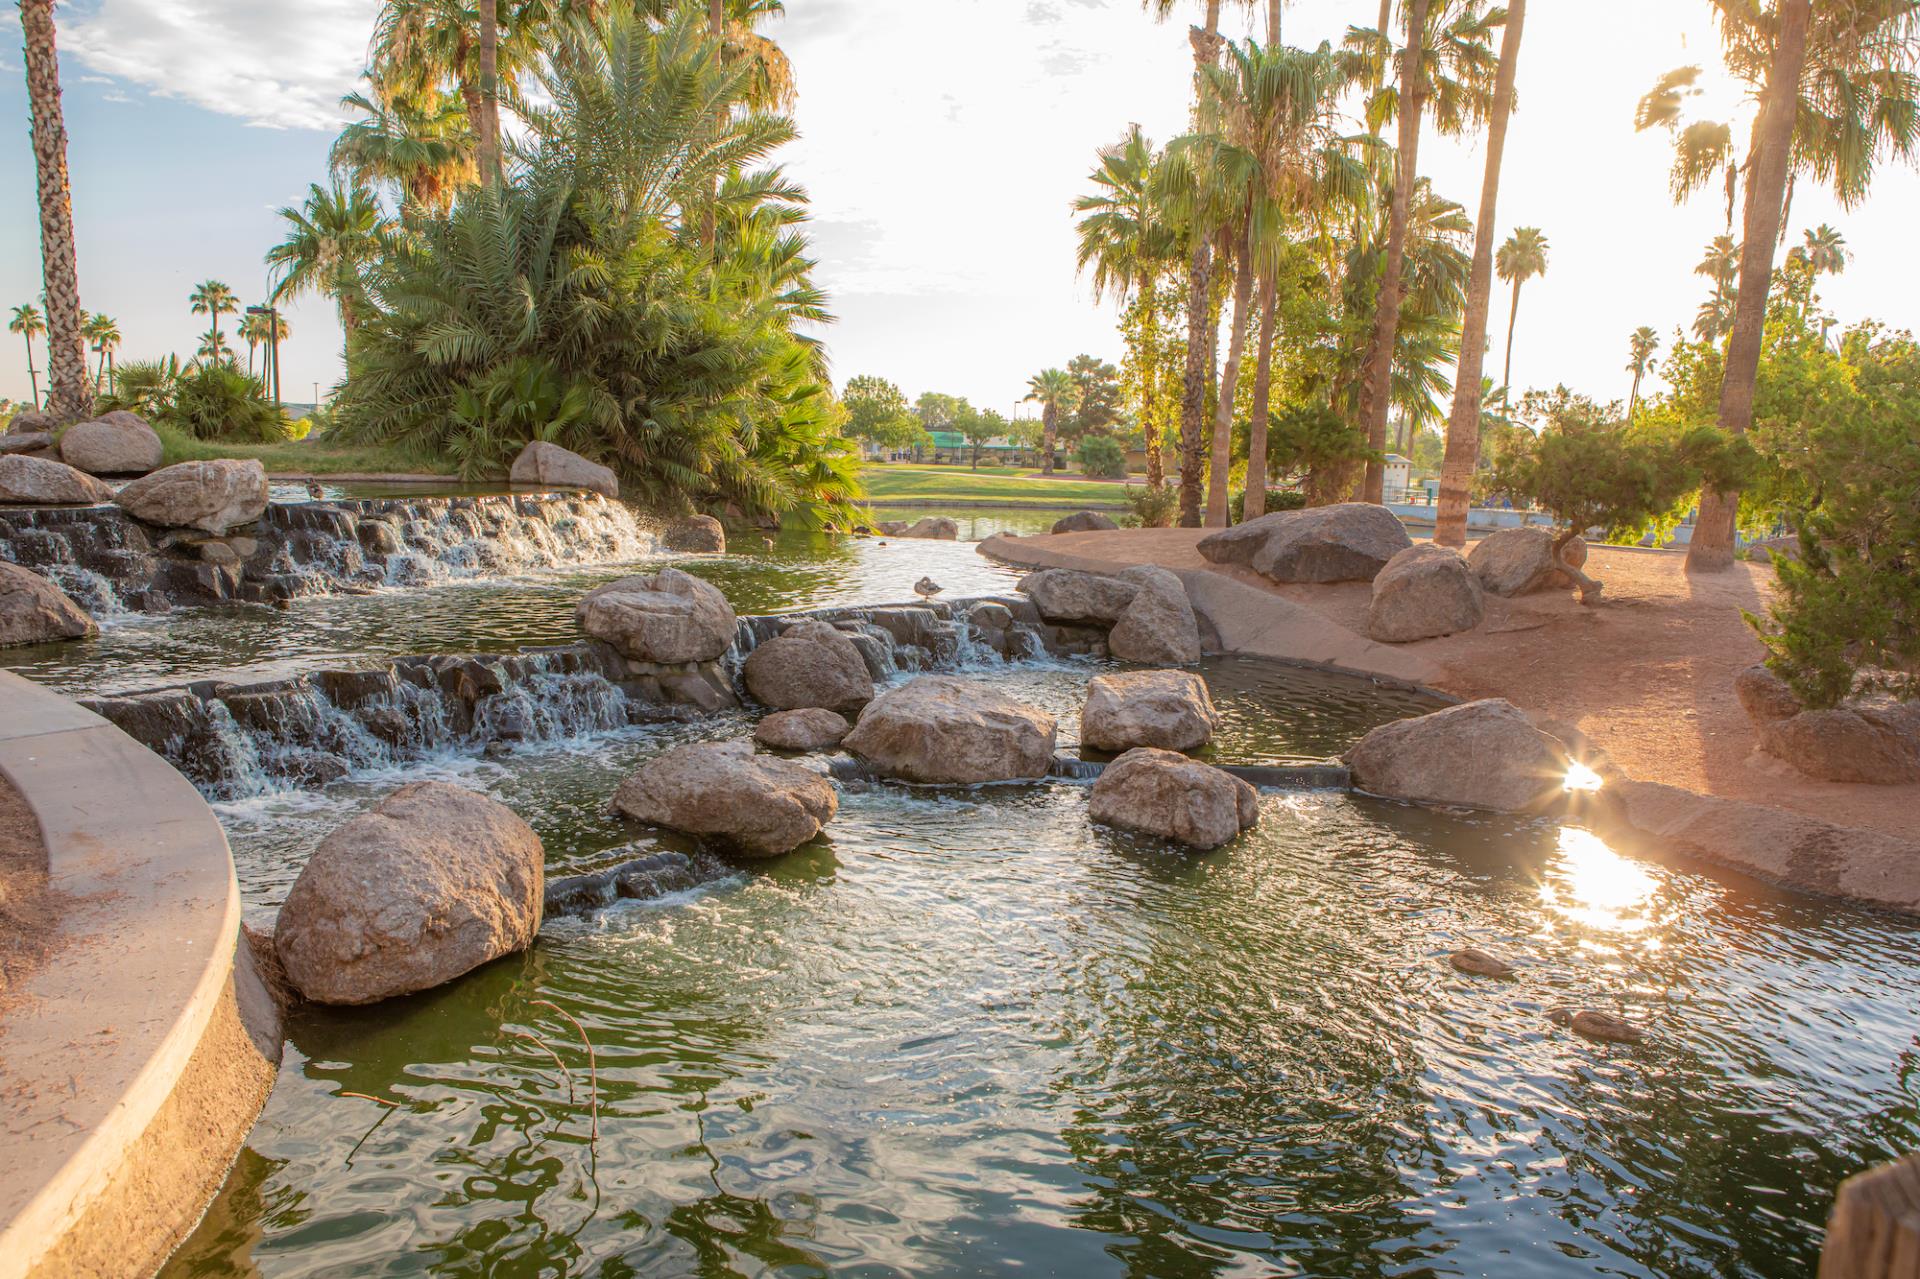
{"x": 135, "y": 1014}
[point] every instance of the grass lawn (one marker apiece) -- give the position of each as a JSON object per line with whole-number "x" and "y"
{"x": 292, "y": 458}
{"x": 894, "y": 482}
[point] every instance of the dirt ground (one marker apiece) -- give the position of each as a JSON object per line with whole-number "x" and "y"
{"x": 1647, "y": 674}
{"x": 26, "y": 907}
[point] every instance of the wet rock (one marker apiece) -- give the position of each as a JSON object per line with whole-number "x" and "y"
{"x": 430, "y": 884}
{"x": 1168, "y": 710}
{"x": 696, "y": 535}
{"x": 380, "y": 537}
{"x": 554, "y": 467}
{"x": 1166, "y": 794}
{"x": 35, "y": 611}
{"x": 1348, "y": 542}
{"x": 1084, "y": 522}
{"x": 214, "y": 497}
{"x": 1423, "y": 592}
{"x": 1157, "y": 627}
{"x": 1069, "y": 595}
{"x": 1590, "y": 1023}
{"x": 986, "y": 613}
{"x": 1483, "y": 754}
{"x": 669, "y": 616}
{"x": 1519, "y": 561}
{"x": 116, "y": 443}
{"x": 811, "y": 729}
{"x": 943, "y": 729}
{"x": 639, "y": 879}
{"x": 937, "y": 527}
{"x": 1480, "y": 964}
{"x": 761, "y": 805}
{"x": 38, "y": 481}
{"x": 811, "y": 663}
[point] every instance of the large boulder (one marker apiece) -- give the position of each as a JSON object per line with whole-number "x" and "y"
{"x": 940, "y": 728}
{"x": 35, "y": 611}
{"x": 32, "y": 422}
{"x": 938, "y": 527}
{"x": 1764, "y": 696}
{"x": 1158, "y": 626}
{"x": 1348, "y": 542}
{"x": 695, "y": 535}
{"x": 39, "y": 481}
{"x": 1875, "y": 741}
{"x": 1519, "y": 561}
{"x": 550, "y": 466}
{"x": 34, "y": 442}
{"x": 666, "y": 617}
{"x": 758, "y": 804}
{"x": 1067, "y": 595}
{"x": 214, "y": 497}
{"x": 1083, "y": 522}
{"x": 808, "y": 729}
{"x": 116, "y": 443}
{"x": 1166, "y": 794}
{"x": 811, "y": 663}
{"x": 1168, "y": 710}
{"x": 1424, "y": 591}
{"x": 1484, "y": 754}
{"x": 433, "y": 882}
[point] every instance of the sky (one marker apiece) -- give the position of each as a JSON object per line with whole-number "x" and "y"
{"x": 943, "y": 142}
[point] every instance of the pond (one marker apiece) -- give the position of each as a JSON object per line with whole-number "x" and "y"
{"x": 969, "y": 1033}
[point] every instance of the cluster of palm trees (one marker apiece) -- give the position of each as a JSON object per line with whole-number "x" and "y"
{"x": 260, "y": 326}
{"x": 101, "y": 333}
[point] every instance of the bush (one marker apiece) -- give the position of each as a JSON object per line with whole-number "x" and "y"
{"x": 1102, "y": 456}
{"x": 207, "y": 400}
{"x": 1277, "y": 500}
{"x": 1150, "y": 507}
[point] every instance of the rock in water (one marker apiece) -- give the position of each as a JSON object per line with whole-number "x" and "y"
{"x": 760, "y": 805}
{"x": 1067, "y": 595}
{"x": 39, "y": 481}
{"x": 667, "y": 617}
{"x": 1168, "y": 710}
{"x": 696, "y": 535}
{"x": 811, "y": 663}
{"x": 433, "y": 882}
{"x": 1424, "y": 591}
{"x": 1479, "y": 963}
{"x": 1592, "y": 1024}
{"x": 214, "y": 497}
{"x": 809, "y": 729}
{"x": 943, "y": 729}
{"x": 1174, "y": 797}
{"x": 1348, "y": 542}
{"x": 1519, "y": 561}
{"x": 551, "y": 466}
{"x": 937, "y": 527}
{"x": 116, "y": 443}
{"x": 35, "y": 611}
{"x": 1484, "y": 754}
{"x": 1158, "y": 627}
{"x": 1084, "y": 522}
{"x": 641, "y": 879}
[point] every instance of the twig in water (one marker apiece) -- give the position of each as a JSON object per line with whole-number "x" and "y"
{"x": 368, "y": 1097}
{"x": 548, "y": 1050}
{"x": 593, "y": 1068}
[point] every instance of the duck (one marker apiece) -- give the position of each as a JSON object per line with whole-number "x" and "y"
{"x": 1591, "y": 1024}
{"x": 926, "y": 588}
{"x": 1479, "y": 963}
{"x": 314, "y": 490}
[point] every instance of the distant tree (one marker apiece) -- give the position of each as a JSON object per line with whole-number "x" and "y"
{"x": 29, "y": 324}
{"x": 213, "y": 299}
{"x": 1314, "y": 448}
{"x": 1102, "y": 456}
{"x": 877, "y": 412}
{"x": 1522, "y": 257}
{"x": 978, "y": 426}
{"x": 1054, "y": 391}
{"x": 936, "y": 410}
{"x": 1640, "y": 349}
{"x": 103, "y": 335}
{"x": 1098, "y": 397}
{"x": 1720, "y": 264}
{"x": 1825, "y": 251}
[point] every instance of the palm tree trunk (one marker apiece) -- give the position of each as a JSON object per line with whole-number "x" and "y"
{"x": 1219, "y": 513}
{"x": 33, "y": 374}
{"x": 1633, "y": 397}
{"x": 1256, "y": 503}
{"x": 1376, "y": 387}
{"x": 1049, "y": 423}
{"x": 1463, "y": 426}
{"x": 1273, "y": 24}
{"x": 66, "y": 349}
{"x": 1711, "y": 547}
{"x": 488, "y": 130}
{"x": 1506, "y": 369}
{"x": 1149, "y": 385}
{"x": 1193, "y": 390}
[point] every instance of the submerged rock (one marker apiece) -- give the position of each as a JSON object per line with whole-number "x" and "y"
{"x": 116, "y": 443}
{"x": 214, "y": 497}
{"x": 433, "y": 882}
{"x": 641, "y": 879}
{"x": 695, "y": 535}
{"x": 1169, "y": 710}
{"x": 40, "y": 481}
{"x": 811, "y": 663}
{"x": 943, "y": 729}
{"x": 761, "y": 805}
{"x": 1084, "y": 522}
{"x": 666, "y": 617}
{"x": 1425, "y": 591}
{"x": 35, "y": 611}
{"x": 551, "y": 466}
{"x": 1484, "y": 754}
{"x": 1348, "y": 542}
{"x": 809, "y": 729}
{"x": 1165, "y": 794}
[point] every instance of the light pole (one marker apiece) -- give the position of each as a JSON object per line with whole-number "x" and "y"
{"x": 273, "y": 348}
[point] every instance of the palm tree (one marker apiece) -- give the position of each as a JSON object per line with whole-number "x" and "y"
{"x": 29, "y": 324}
{"x": 67, "y": 395}
{"x": 1837, "y": 93}
{"x": 1462, "y": 456}
{"x": 214, "y": 299}
{"x": 330, "y": 238}
{"x": 1826, "y": 251}
{"x": 103, "y": 334}
{"x": 1054, "y": 391}
{"x": 213, "y": 347}
{"x": 1640, "y": 349}
{"x": 1522, "y": 257}
{"x": 421, "y": 148}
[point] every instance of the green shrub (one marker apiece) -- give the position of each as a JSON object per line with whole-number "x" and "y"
{"x": 1277, "y": 500}
{"x": 1150, "y": 507}
{"x": 1101, "y": 456}
{"x": 206, "y": 400}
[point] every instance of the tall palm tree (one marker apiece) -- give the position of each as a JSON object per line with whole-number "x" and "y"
{"x": 1640, "y": 349}
{"x": 422, "y": 147}
{"x": 330, "y": 238}
{"x": 1826, "y": 250}
{"x": 1837, "y": 94}
{"x": 1720, "y": 264}
{"x": 213, "y": 347}
{"x": 29, "y": 324}
{"x": 1522, "y": 257}
{"x": 67, "y": 394}
{"x": 1462, "y": 456}
{"x": 214, "y": 299}
{"x": 1056, "y": 394}
{"x": 103, "y": 335}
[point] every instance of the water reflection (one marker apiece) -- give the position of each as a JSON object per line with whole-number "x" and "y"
{"x": 1596, "y": 887}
